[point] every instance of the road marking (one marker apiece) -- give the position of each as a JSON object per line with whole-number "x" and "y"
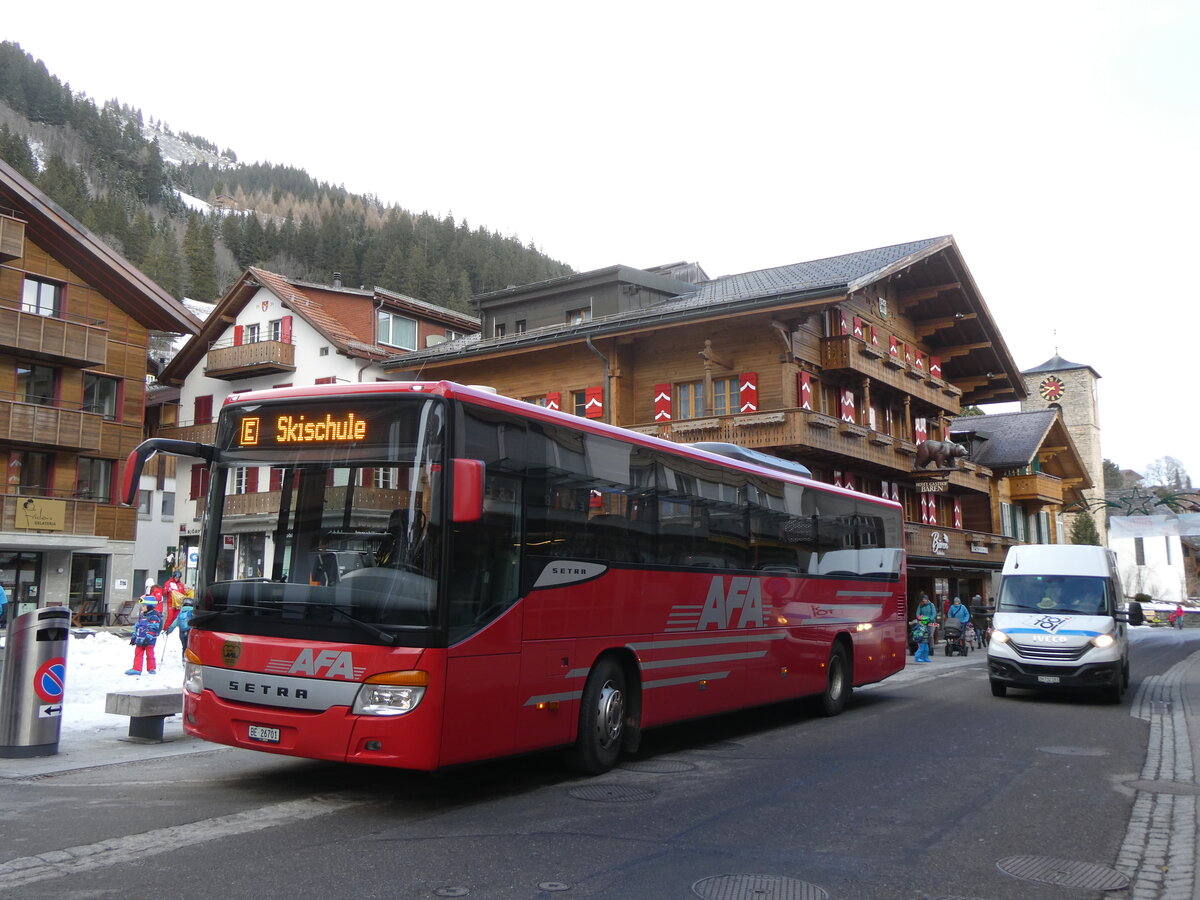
{"x": 117, "y": 851}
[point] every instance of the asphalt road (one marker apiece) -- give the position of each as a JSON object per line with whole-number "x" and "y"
{"x": 927, "y": 787}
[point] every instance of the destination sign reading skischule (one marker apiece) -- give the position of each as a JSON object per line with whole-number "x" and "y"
{"x": 287, "y": 428}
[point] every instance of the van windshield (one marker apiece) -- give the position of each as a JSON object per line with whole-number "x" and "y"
{"x": 1073, "y": 595}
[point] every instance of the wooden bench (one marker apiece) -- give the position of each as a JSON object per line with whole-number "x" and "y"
{"x": 146, "y": 710}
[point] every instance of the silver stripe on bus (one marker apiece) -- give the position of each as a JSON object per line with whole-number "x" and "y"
{"x": 684, "y": 679}
{"x": 864, "y": 593}
{"x": 554, "y": 698}
{"x": 712, "y": 639}
{"x": 685, "y": 661}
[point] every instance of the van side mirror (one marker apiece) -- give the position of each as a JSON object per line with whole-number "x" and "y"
{"x": 468, "y": 490}
{"x": 1133, "y": 613}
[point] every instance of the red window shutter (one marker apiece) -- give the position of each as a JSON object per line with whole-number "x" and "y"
{"x": 662, "y": 403}
{"x": 593, "y": 402}
{"x": 806, "y": 398}
{"x": 285, "y": 330}
{"x": 935, "y": 366}
{"x": 858, "y": 327}
{"x": 202, "y": 410}
{"x": 926, "y": 518}
{"x": 194, "y": 490}
{"x": 920, "y": 429}
{"x": 277, "y": 386}
{"x": 958, "y": 512}
{"x": 843, "y": 322}
{"x": 918, "y": 360}
{"x": 837, "y": 478}
{"x": 252, "y": 480}
{"x": 896, "y": 491}
{"x": 848, "y": 481}
{"x": 748, "y": 392}
{"x": 908, "y": 353}
{"x": 276, "y": 479}
{"x": 847, "y": 405}
{"x": 554, "y": 400}
{"x": 328, "y": 379}
{"x": 893, "y": 347}
{"x": 368, "y": 477}
{"x": 874, "y": 336}
{"x": 237, "y": 335}
{"x": 883, "y": 490}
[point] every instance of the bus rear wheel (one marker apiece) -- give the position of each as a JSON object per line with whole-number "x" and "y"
{"x": 837, "y": 682}
{"x": 602, "y": 712}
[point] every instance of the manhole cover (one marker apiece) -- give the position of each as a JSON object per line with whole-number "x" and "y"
{"x": 1075, "y": 751}
{"x": 756, "y": 887}
{"x": 610, "y": 793}
{"x": 1064, "y": 872}
{"x": 658, "y": 766}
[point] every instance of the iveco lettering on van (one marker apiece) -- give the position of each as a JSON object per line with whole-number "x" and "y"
{"x": 1059, "y": 622}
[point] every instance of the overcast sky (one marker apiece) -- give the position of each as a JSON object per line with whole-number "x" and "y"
{"x": 1059, "y": 142}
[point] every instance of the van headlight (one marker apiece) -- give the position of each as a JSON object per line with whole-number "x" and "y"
{"x": 391, "y": 693}
{"x": 193, "y": 673}
{"x": 999, "y": 636}
{"x": 1104, "y": 640}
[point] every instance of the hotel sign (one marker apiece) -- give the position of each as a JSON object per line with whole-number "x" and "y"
{"x": 932, "y": 487}
{"x": 41, "y": 515}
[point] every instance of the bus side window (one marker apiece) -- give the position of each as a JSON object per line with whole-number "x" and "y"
{"x": 484, "y": 566}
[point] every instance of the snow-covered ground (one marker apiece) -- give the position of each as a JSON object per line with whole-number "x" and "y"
{"x": 96, "y": 664}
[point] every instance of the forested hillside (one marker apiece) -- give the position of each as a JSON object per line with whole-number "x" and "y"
{"x": 194, "y": 217}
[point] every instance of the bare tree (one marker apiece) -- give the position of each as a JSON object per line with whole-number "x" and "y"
{"x": 1168, "y": 472}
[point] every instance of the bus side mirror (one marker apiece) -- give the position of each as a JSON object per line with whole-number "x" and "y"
{"x": 468, "y": 490}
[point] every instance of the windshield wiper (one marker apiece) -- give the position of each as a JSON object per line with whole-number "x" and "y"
{"x": 374, "y": 630}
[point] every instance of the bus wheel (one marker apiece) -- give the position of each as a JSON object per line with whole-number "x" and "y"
{"x": 837, "y": 682}
{"x": 601, "y": 719}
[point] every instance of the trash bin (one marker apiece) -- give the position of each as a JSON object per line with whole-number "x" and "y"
{"x": 31, "y": 691}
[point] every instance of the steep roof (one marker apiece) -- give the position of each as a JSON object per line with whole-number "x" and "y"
{"x": 1057, "y": 364}
{"x": 1013, "y": 440}
{"x": 343, "y": 316}
{"x": 64, "y": 237}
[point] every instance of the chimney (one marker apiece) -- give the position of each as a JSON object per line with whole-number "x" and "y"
{"x": 337, "y": 279}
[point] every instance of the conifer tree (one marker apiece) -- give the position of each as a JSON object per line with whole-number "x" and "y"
{"x": 137, "y": 239}
{"x": 201, "y": 259}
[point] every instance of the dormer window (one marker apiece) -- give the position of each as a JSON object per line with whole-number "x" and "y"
{"x": 579, "y": 316}
{"x": 398, "y": 331}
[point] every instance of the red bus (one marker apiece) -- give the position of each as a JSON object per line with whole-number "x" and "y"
{"x": 451, "y": 575}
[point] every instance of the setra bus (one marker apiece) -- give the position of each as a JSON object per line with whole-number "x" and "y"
{"x": 451, "y": 576}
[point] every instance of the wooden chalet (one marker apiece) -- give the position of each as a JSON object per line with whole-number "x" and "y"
{"x": 846, "y": 364}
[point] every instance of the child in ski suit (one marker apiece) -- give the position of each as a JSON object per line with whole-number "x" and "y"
{"x": 145, "y": 632}
{"x": 183, "y": 622}
{"x": 920, "y": 634}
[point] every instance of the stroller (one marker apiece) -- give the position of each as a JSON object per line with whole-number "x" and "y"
{"x": 955, "y": 633}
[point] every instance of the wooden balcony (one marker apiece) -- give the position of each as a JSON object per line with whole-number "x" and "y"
{"x": 65, "y": 516}
{"x": 813, "y": 436}
{"x": 1038, "y": 488}
{"x": 49, "y": 338}
{"x": 248, "y": 360}
{"x": 938, "y": 542}
{"x": 51, "y": 427}
{"x": 848, "y": 355}
{"x": 12, "y": 237}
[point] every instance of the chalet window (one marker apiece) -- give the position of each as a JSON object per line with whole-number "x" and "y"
{"x": 452, "y": 335}
{"x": 385, "y": 478}
{"x": 250, "y": 334}
{"x": 499, "y": 329}
{"x": 94, "y": 481}
{"x": 726, "y": 396}
{"x": 145, "y": 504}
{"x": 44, "y": 298}
{"x": 689, "y": 400}
{"x": 35, "y": 472}
{"x": 100, "y": 395}
{"x": 168, "y": 506}
{"x": 275, "y": 329}
{"x": 539, "y": 400}
{"x": 579, "y": 316}
{"x": 36, "y": 384}
{"x": 579, "y": 403}
{"x": 519, "y": 327}
{"x": 399, "y": 331}
{"x": 323, "y": 351}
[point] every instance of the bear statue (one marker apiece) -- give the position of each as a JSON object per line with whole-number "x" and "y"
{"x": 941, "y": 453}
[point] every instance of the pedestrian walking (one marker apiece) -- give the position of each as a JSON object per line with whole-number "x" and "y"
{"x": 183, "y": 622}
{"x": 145, "y": 632}
{"x": 920, "y": 635}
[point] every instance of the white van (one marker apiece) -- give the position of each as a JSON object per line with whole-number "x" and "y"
{"x": 1058, "y": 622}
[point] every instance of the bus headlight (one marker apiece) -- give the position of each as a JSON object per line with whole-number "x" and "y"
{"x": 391, "y": 693}
{"x": 193, "y": 673}
{"x": 1000, "y": 637}
{"x": 1104, "y": 640}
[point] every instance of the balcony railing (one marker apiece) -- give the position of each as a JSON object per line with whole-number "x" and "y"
{"x": 846, "y": 353}
{"x": 53, "y": 427}
{"x": 1037, "y": 488}
{"x": 77, "y": 343}
{"x": 23, "y": 513}
{"x": 249, "y": 360}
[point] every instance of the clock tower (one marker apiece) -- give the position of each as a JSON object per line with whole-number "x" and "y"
{"x": 1071, "y": 388}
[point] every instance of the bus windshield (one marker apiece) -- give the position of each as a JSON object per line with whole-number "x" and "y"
{"x": 1073, "y": 595}
{"x": 350, "y": 520}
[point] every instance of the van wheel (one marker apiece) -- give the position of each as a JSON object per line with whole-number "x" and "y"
{"x": 601, "y": 719}
{"x": 1113, "y": 693}
{"x": 999, "y": 690}
{"x": 837, "y": 682}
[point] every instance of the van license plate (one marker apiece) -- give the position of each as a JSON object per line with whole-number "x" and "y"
{"x": 1042, "y": 679}
{"x": 271, "y": 735}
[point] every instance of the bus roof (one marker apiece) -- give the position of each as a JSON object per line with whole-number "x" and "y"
{"x": 482, "y": 396}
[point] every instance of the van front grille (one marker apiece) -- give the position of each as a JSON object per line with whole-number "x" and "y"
{"x": 1046, "y": 652}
